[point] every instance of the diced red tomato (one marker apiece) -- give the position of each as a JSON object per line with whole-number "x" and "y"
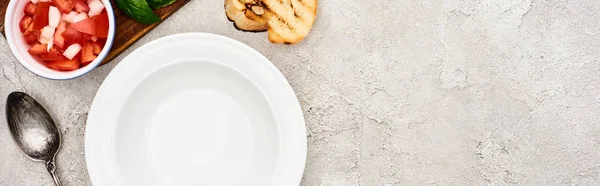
{"x": 86, "y": 26}
{"x": 38, "y": 49}
{"x": 30, "y": 9}
{"x": 72, "y": 36}
{"x": 96, "y": 26}
{"x": 81, "y": 6}
{"x": 86, "y": 37}
{"x": 53, "y": 67}
{"x": 30, "y": 38}
{"x": 62, "y": 26}
{"x": 53, "y": 55}
{"x": 97, "y": 48}
{"x": 59, "y": 40}
{"x": 87, "y": 53}
{"x": 64, "y": 65}
{"x": 25, "y": 22}
{"x": 101, "y": 41}
{"x": 64, "y": 6}
{"x": 101, "y": 25}
{"x": 40, "y": 19}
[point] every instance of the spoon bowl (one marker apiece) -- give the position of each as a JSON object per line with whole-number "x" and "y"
{"x": 33, "y": 129}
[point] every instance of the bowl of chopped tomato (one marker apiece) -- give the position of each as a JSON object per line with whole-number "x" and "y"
{"x": 60, "y": 39}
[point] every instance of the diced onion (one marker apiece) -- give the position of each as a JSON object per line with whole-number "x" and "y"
{"x": 72, "y": 51}
{"x": 53, "y": 16}
{"x": 50, "y": 44}
{"x": 47, "y": 34}
{"x": 69, "y": 17}
{"x": 96, "y": 8}
{"x": 79, "y": 17}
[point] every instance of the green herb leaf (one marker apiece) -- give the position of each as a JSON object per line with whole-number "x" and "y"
{"x": 156, "y": 4}
{"x": 138, "y": 10}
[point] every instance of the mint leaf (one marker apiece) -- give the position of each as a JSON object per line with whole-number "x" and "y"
{"x": 156, "y": 4}
{"x": 138, "y": 10}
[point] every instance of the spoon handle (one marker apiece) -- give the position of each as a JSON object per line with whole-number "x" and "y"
{"x": 52, "y": 170}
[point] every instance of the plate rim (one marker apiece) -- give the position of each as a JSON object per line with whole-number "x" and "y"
{"x": 118, "y": 71}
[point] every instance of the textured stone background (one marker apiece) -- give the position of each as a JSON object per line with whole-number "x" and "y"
{"x": 398, "y": 92}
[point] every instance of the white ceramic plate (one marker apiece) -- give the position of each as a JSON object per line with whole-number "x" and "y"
{"x": 195, "y": 109}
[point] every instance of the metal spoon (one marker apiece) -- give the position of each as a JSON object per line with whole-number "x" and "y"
{"x": 33, "y": 130}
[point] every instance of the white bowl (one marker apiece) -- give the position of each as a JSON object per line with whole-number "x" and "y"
{"x": 201, "y": 109}
{"x": 18, "y": 46}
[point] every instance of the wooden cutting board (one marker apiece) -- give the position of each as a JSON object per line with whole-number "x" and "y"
{"x": 128, "y": 30}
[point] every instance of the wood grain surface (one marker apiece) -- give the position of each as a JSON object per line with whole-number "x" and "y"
{"x": 128, "y": 30}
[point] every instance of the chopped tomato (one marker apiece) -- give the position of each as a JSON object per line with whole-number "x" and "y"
{"x": 53, "y": 67}
{"x": 40, "y": 19}
{"x": 53, "y": 55}
{"x": 30, "y": 38}
{"x": 38, "y": 49}
{"x": 59, "y": 40}
{"x": 87, "y": 37}
{"x": 64, "y": 6}
{"x": 86, "y": 26}
{"x": 97, "y": 48}
{"x": 101, "y": 25}
{"x": 72, "y": 36}
{"x": 87, "y": 53}
{"x": 25, "y": 22}
{"x": 64, "y": 65}
{"x": 96, "y": 26}
{"x": 101, "y": 41}
{"x": 30, "y": 9}
{"x": 81, "y": 6}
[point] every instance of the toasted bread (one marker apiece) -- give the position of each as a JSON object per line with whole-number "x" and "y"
{"x": 289, "y": 20}
{"x": 244, "y": 19}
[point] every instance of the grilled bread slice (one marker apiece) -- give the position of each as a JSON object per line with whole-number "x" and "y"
{"x": 244, "y": 17}
{"x": 289, "y": 21}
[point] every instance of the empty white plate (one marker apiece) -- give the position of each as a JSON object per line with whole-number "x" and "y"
{"x": 195, "y": 109}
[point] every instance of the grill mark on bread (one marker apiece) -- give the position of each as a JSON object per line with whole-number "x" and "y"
{"x": 286, "y": 15}
{"x": 294, "y": 10}
{"x": 274, "y": 37}
{"x": 304, "y": 13}
{"x": 279, "y": 18}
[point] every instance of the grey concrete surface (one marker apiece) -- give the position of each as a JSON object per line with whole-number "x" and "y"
{"x": 397, "y": 92}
